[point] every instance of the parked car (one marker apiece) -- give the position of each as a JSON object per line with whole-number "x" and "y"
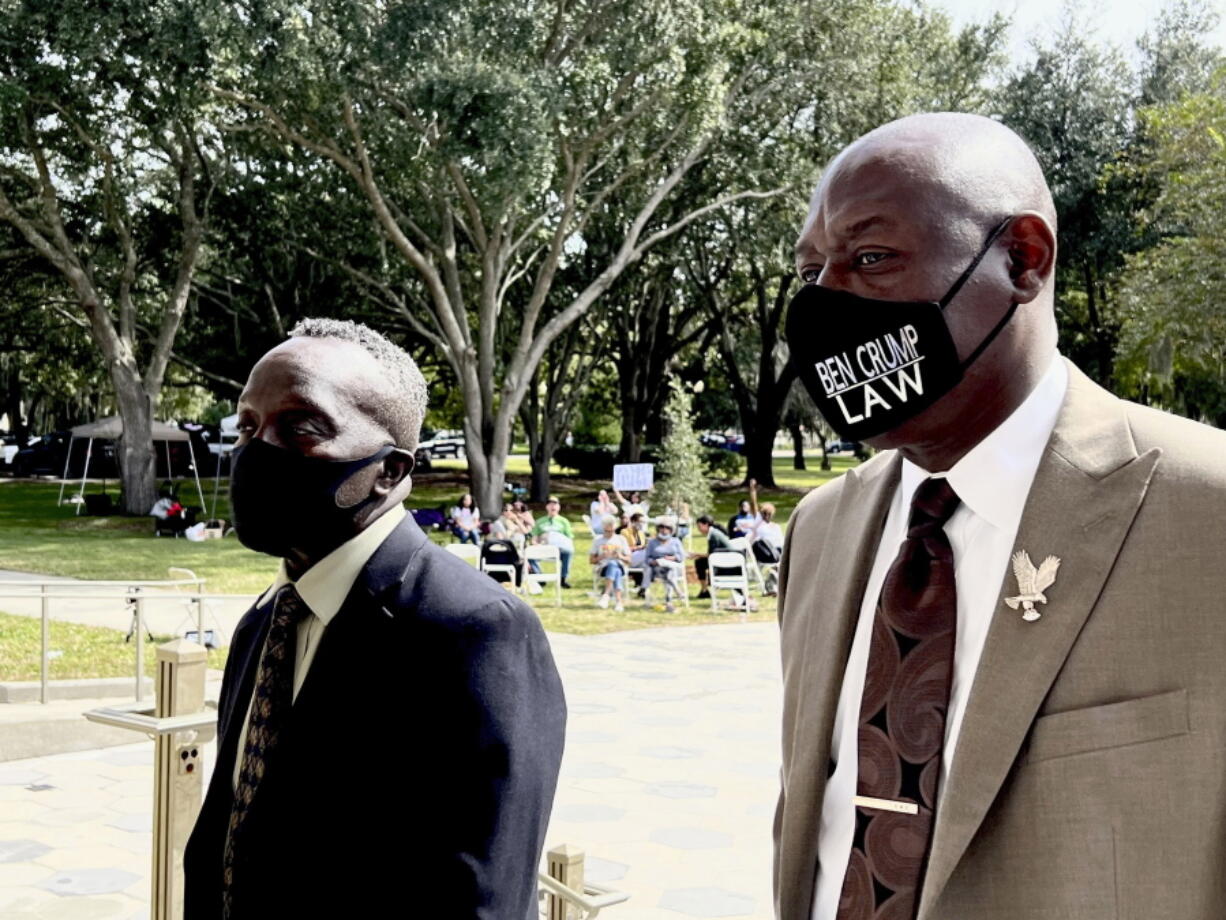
{"x": 844, "y": 447}
{"x": 45, "y": 455}
{"x": 9, "y": 446}
{"x": 444, "y": 443}
{"x": 732, "y": 442}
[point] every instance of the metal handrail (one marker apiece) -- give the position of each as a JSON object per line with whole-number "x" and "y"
{"x": 128, "y": 583}
{"x": 591, "y": 901}
{"x": 137, "y": 716}
{"x": 132, "y": 594}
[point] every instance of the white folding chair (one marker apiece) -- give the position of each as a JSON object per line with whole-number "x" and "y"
{"x": 466, "y": 551}
{"x": 741, "y": 545}
{"x": 728, "y": 572}
{"x": 675, "y": 577}
{"x": 543, "y": 554}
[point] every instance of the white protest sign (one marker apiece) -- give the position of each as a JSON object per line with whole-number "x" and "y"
{"x": 633, "y": 477}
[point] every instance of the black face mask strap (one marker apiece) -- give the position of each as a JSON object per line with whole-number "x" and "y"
{"x": 970, "y": 269}
{"x": 991, "y": 336}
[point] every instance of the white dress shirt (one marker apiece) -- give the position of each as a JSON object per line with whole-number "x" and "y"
{"x": 323, "y": 588}
{"x": 993, "y": 481}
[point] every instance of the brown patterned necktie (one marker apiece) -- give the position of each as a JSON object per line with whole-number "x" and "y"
{"x": 270, "y": 707}
{"x": 902, "y": 717}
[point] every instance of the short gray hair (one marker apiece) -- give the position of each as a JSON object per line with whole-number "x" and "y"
{"x": 406, "y": 405}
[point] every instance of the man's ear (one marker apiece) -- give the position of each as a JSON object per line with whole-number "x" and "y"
{"x": 1032, "y": 254}
{"x": 396, "y": 468}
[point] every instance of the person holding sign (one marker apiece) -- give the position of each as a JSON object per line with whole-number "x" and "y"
{"x": 1002, "y": 636}
{"x": 632, "y": 505}
{"x": 599, "y": 508}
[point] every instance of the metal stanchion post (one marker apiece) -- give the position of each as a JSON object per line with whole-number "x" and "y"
{"x": 178, "y": 782}
{"x": 139, "y": 630}
{"x": 44, "y": 664}
{"x": 566, "y": 865}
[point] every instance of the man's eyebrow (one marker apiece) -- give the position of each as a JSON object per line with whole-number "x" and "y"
{"x": 868, "y": 223}
{"x": 851, "y": 231}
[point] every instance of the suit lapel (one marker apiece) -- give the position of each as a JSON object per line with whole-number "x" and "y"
{"x": 829, "y": 599}
{"x": 1088, "y": 488}
{"x": 382, "y": 574}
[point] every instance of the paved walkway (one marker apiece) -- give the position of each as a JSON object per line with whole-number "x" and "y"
{"x": 168, "y": 611}
{"x": 668, "y": 784}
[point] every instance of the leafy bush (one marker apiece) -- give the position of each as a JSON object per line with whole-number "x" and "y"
{"x": 587, "y": 462}
{"x": 724, "y": 464}
{"x": 681, "y": 471}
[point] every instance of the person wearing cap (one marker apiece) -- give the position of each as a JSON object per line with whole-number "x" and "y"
{"x": 664, "y": 559}
{"x": 556, "y": 531}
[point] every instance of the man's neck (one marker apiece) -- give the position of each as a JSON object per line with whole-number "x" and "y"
{"x": 950, "y": 442}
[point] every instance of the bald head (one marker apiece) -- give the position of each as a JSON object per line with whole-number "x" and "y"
{"x": 976, "y": 169}
{"x": 901, "y": 213}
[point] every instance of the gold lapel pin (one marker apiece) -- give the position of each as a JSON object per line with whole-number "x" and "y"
{"x": 1031, "y": 583}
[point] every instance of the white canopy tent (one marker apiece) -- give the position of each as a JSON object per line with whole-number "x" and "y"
{"x": 229, "y": 434}
{"x": 111, "y": 429}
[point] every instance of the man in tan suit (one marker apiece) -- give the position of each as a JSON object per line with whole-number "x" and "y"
{"x": 1081, "y": 775}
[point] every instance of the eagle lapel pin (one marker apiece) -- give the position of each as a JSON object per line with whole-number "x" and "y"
{"x": 1031, "y": 583}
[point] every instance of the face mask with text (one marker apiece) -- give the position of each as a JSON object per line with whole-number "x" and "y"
{"x": 871, "y": 365}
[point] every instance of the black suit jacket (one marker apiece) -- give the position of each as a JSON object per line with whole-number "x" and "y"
{"x": 418, "y": 768}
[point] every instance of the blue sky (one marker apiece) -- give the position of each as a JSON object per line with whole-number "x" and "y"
{"x": 1119, "y": 23}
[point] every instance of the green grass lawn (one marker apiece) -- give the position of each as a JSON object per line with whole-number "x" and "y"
{"x": 83, "y": 651}
{"x": 37, "y": 536}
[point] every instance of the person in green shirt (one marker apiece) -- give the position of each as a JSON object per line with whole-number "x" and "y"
{"x": 717, "y": 542}
{"x": 555, "y": 530}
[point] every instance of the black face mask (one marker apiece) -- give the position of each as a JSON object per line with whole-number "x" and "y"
{"x": 871, "y": 365}
{"x": 279, "y": 498}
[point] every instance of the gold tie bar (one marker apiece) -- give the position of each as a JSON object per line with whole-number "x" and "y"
{"x": 902, "y": 808}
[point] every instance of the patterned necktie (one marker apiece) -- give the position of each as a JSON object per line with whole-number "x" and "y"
{"x": 902, "y": 717}
{"x": 270, "y": 707}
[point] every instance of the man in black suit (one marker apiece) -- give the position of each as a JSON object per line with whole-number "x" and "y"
{"x": 391, "y": 721}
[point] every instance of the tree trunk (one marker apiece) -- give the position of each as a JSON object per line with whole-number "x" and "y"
{"x": 630, "y": 447}
{"x": 825, "y": 453}
{"x": 759, "y": 449}
{"x": 487, "y": 475}
{"x": 12, "y": 406}
{"x": 541, "y": 456}
{"x": 798, "y": 446}
{"x": 135, "y": 449}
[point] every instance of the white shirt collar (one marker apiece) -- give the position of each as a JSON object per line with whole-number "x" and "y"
{"x": 993, "y": 479}
{"x": 326, "y": 584}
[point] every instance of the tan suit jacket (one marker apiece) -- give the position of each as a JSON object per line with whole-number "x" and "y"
{"x": 1089, "y": 781}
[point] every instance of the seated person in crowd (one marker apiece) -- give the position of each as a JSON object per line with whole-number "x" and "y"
{"x": 767, "y": 543}
{"x": 466, "y": 521}
{"x": 599, "y": 508}
{"x": 556, "y": 531}
{"x": 510, "y": 526}
{"x": 717, "y": 542}
{"x": 524, "y": 515}
{"x": 664, "y": 559}
{"x": 611, "y": 555}
{"x": 682, "y": 514}
{"x": 634, "y": 529}
{"x": 632, "y": 504}
{"x": 740, "y": 524}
